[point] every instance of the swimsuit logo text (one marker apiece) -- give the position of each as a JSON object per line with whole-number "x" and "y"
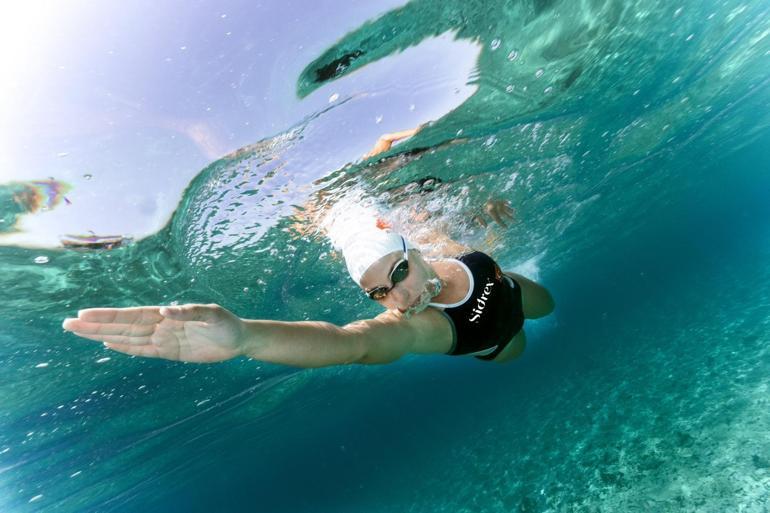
{"x": 481, "y": 302}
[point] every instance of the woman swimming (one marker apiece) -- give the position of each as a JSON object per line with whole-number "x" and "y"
{"x": 458, "y": 306}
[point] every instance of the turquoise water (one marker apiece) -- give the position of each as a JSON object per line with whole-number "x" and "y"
{"x": 631, "y": 139}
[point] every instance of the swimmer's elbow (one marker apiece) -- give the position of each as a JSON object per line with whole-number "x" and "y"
{"x": 378, "y": 354}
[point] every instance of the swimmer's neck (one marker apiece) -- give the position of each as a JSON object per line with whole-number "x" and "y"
{"x": 454, "y": 279}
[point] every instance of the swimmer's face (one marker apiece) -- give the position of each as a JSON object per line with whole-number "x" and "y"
{"x": 406, "y": 294}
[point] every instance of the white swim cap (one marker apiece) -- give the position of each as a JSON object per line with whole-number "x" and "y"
{"x": 364, "y": 248}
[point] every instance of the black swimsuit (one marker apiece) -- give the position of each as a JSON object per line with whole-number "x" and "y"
{"x": 490, "y": 315}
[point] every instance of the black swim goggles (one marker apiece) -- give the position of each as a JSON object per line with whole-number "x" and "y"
{"x": 397, "y": 274}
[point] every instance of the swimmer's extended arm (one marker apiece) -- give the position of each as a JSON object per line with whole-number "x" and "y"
{"x": 403, "y": 134}
{"x": 383, "y": 339}
{"x": 385, "y": 141}
{"x": 210, "y": 333}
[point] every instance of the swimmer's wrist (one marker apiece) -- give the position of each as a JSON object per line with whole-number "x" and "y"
{"x": 250, "y": 343}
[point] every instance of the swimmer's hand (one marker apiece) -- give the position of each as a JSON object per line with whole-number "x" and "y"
{"x": 499, "y": 210}
{"x": 190, "y": 333}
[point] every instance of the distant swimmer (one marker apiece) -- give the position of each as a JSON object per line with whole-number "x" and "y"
{"x": 465, "y": 305}
{"x": 94, "y": 241}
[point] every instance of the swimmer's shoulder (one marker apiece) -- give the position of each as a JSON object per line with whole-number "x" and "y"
{"x": 424, "y": 333}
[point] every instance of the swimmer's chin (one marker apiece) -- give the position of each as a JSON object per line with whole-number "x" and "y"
{"x": 410, "y": 312}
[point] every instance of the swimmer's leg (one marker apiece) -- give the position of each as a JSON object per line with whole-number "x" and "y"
{"x": 514, "y": 348}
{"x": 536, "y": 300}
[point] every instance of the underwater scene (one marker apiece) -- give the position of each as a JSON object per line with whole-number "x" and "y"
{"x": 631, "y": 140}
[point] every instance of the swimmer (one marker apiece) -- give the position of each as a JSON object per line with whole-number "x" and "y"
{"x": 456, "y": 306}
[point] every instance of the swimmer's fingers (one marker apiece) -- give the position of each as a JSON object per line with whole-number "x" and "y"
{"x": 133, "y": 315}
{"x": 478, "y": 219}
{"x": 508, "y": 214}
{"x": 506, "y": 209}
{"x": 493, "y": 209}
{"x": 99, "y": 328}
{"x": 499, "y": 211}
{"x": 498, "y": 219}
{"x": 148, "y": 351}
{"x": 116, "y": 339}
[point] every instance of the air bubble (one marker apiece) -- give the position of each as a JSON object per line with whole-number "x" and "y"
{"x": 41, "y": 260}
{"x": 88, "y": 176}
{"x": 495, "y": 44}
{"x": 548, "y": 90}
{"x": 378, "y": 119}
{"x": 509, "y": 89}
{"x": 513, "y": 55}
{"x": 333, "y": 98}
{"x": 539, "y": 73}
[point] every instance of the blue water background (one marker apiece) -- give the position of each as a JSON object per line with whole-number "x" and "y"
{"x": 647, "y": 390}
